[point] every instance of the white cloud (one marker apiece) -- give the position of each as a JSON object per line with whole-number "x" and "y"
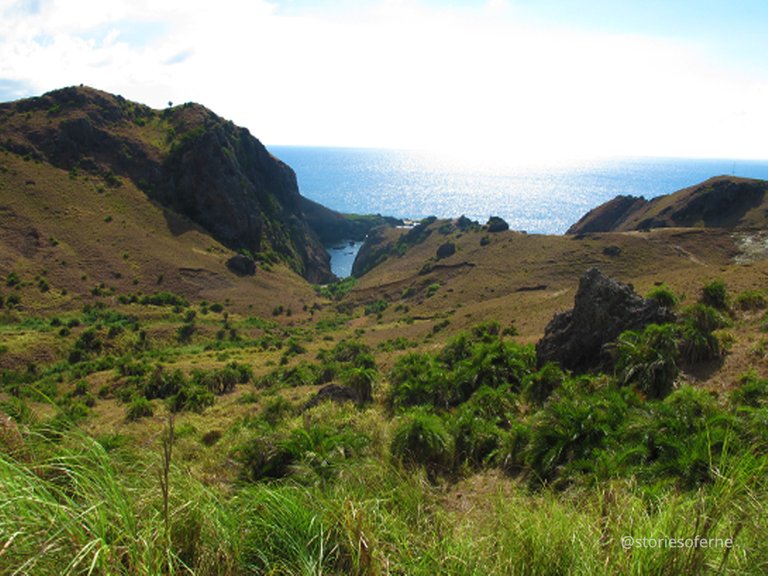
{"x": 396, "y": 73}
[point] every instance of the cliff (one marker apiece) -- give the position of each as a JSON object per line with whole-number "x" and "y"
{"x": 186, "y": 158}
{"x": 720, "y": 202}
{"x": 333, "y": 227}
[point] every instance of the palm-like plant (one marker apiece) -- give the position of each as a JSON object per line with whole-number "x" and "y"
{"x": 648, "y": 359}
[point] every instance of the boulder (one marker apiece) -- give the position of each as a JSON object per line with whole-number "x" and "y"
{"x": 496, "y": 224}
{"x": 445, "y": 250}
{"x": 242, "y": 265}
{"x": 603, "y": 309}
{"x": 333, "y": 393}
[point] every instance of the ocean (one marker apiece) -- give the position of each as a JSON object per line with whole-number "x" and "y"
{"x": 537, "y": 198}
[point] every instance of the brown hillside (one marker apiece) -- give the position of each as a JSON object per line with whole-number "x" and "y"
{"x": 721, "y": 202}
{"x": 524, "y": 279}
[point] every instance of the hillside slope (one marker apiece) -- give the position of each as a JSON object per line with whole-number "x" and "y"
{"x": 186, "y": 158}
{"x": 720, "y": 202}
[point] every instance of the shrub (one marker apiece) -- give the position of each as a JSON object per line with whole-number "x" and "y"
{"x": 376, "y": 307}
{"x": 648, "y": 359}
{"x": 751, "y": 300}
{"x": 697, "y": 341}
{"x": 495, "y": 405}
{"x": 276, "y": 409}
{"x": 752, "y": 391}
{"x": 421, "y": 439}
{"x": 513, "y": 444}
{"x": 223, "y": 380}
{"x": 683, "y": 437}
{"x": 540, "y": 385}
{"x": 571, "y": 430}
{"x": 190, "y": 397}
{"x": 88, "y": 344}
{"x": 184, "y": 332}
{"x": 493, "y": 364}
{"x": 164, "y": 299}
{"x": 715, "y": 295}
{"x": 361, "y": 381}
{"x": 476, "y": 440}
{"x": 419, "y": 379}
{"x": 139, "y": 408}
{"x": 162, "y": 384}
{"x": 664, "y": 296}
{"x": 350, "y": 351}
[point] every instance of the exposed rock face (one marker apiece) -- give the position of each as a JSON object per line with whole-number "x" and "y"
{"x": 375, "y": 249}
{"x": 496, "y": 224}
{"x": 187, "y": 158}
{"x": 242, "y": 265}
{"x": 603, "y": 309}
{"x": 445, "y": 250}
{"x": 721, "y": 202}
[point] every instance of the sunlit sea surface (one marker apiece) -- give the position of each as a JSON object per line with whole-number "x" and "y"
{"x": 536, "y": 197}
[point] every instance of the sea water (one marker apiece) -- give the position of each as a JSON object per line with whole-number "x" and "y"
{"x": 542, "y": 197}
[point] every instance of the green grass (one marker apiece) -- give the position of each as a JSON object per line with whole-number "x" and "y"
{"x": 70, "y": 507}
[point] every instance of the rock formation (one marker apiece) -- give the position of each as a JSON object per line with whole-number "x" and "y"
{"x": 496, "y": 224}
{"x": 445, "y": 250}
{"x": 603, "y": 309}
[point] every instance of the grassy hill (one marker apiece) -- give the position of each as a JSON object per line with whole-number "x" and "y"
{"x": 162, "y": 412}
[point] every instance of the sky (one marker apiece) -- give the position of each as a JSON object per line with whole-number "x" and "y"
{"x": 506, "y": 79}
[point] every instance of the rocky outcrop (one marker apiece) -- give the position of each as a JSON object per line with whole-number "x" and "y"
{"x": 603, "y": 309}
{"x": 332, "y": 393}
{"x": 446, "y": 250}
{"x": 375, "y": 249}
{"x": 186, "y": 158}
{"x": 721, "y": 202}
{"x": 242, "y": 265}
{"x": 496, "y": 224}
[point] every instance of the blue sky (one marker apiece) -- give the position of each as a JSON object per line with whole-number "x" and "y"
{"x": 512, "y": 79}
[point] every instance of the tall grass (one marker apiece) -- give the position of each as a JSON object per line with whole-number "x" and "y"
{"x": 72, "y": 508}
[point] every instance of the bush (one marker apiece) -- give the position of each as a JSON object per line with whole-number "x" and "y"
{"x": 476, "y": 440}
{"x": 419, "y": 379}
{"x": 361, "y": 381}
{"x": 698, "y": 343}
{"x": 164, "y": 299}
{"x": 715, "y": 295}
{"x": 683, "y": 437}
{"x": 184, "y": 332}
{"x": 190, "y": 397}
{"x": 648, "y": 359}
{"x": 139, "y": 408}
{"x": 161, "y": 384}
{"x": 664, "y": 296}
{"x": 493, "y": 364}
{"x": 223, "y": 380}
{"x": 569, "y": 433}
{"x": 421, "y": 439}
{"x": 540, "y": 385}
{"x": 751, "y": 300}
{"x": 752, "y": 391}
